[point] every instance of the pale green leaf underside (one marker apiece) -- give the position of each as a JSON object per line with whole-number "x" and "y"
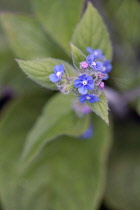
{"x": 77, "y": 56}
{"x": 68, "y": 174}
{"x": 27, "y": 38}
{"x": 92, "y": 32}
{"x": 40, "y": 70}
{"x": 101, "y": 108}
{"x": 57, "y": 119}
{"x": 59, "y": 18}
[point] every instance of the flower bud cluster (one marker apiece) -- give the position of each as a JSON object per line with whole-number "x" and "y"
{"x": 89, "y": 83}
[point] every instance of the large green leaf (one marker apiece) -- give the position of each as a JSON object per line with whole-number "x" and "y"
{"x": 77, "y": 56}
{"x": 27, "y": 38}
{"x": 118, "y": 11}
{"x": 123, "y": 186}
{"x": 10, "y": 74}
{"x": 92, "y": 32}
{"x": 101, "y": 108}
{"x": 57, "y": 119}
{"x": 59, "y": 18}
{"x": 68, "y": 174}
{"x": 15, "y": 5}
{"x": 17, "y": 120}
{"x": 40, "y": 70}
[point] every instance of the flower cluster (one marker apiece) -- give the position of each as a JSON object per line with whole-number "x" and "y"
{"x": 89, "y": 83}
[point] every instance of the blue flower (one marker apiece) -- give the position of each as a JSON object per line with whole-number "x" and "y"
{"x": 105, "y": 77}
{"x": 89, "y": 98}
{"x": 88, "y": 133}
{"x": 96, "y": 65}
{"x": 58, "y": 71}
{"x": 84, "y": 83}
{"x": 107, "y": 67}
{"x": 89, "y": 50}
{"x": 98, "y": 54}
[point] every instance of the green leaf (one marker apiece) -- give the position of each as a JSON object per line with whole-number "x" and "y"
{"x": 92, "y": 32}
{"x": 59, "y": 18}
{"x": 123, "y": 183}
{"x": 27, "y": 39}
{"x": 10, "y": 74}
{"x": 68, "y": 174}
{"x": 57, "y": 119}
{"x": 117, "y": 12}
{"x": 77, "y": 56}
{"x": 40, "y": 70}
{"x": 15, "y": 5}
{"x": 17, "y": 120}
{"x": 101, "y": 108}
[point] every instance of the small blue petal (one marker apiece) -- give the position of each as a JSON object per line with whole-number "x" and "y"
{"x": 89, "y": 50}
{"x": 59, "y": 68}
{"x": 90, "y": 59}
{"x": 98, "y": 54}
{"x": 105, "y": 77}
{"x": 93, "y": 99}
{"x": 82, "y": 89}
{"x": 90, "y": 86}
{"x": 89, "y": 78}
{"x": 107, "y": 67}
{"x": 77, "y": 83}
{"x": 54, "y": 78}
{"x": 82, "y": 77}
{"x": 106, "y": 62}
{"x": 82, "y": 99}
{"x": 56, "y": 68}
{"x": 99, "y": 65}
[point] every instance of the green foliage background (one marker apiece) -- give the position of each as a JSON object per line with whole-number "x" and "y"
{"x": 43, "y": 163}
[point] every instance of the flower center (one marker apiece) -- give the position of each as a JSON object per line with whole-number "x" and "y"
{"x": 88, "y": 97}
{"x": 58, "y": 73}
{"x": 94, "y": 63}
{"x": 84, "y": 82}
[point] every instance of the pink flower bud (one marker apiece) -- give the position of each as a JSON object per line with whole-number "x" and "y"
{"x": 100, "y": 75}
{"x": 101, "y": 85}
{"x": 84, "y": 65}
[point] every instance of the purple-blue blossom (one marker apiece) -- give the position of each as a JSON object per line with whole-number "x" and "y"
{"x": 96, "y": 65}
{"x": 84, "y": 83}
{"x": 88, "y": 97}
{"x": 58, "y": 72}
{"x": 107, "y": 67}
{"x": 105, "y": 77}
{"x": 98, "y": 54}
